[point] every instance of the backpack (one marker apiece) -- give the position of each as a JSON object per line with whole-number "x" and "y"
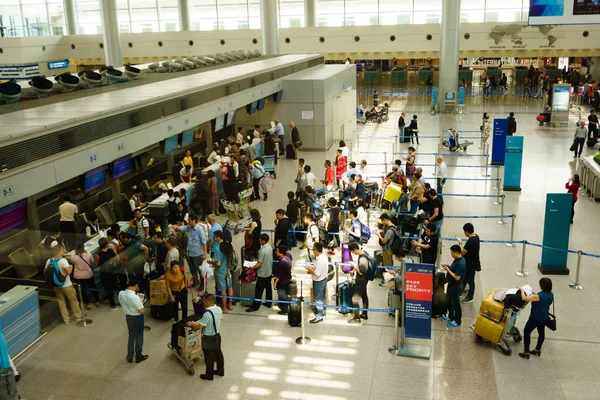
{"x": 365, "y": 233}
{"x": 323, "y": 236}
{"x": 410, "y": 225}
{"x": 396, "y": 243}
{"x": 53, "y": 275}
{"x": 233, "y": 261}
{"x": 371, "y": 271}
{"x": 227, "y": 235}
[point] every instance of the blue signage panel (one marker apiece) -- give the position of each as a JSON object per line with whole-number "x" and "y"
{"x": 461, "y": 96}
{"x": 499, "y": 140}
{"x": 557, "y": 227}
{"x": 434, "y": 94}
{"x": 513, "y": 162}
{"x": 58, "y": 64}
{"x": 419, "y": 293}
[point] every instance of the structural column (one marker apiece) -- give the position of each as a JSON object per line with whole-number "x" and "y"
{"x": 110, "y": 31}
{"x": 449, "y": 48}
{"x": 269, "y": 22}
{"x": 310, "y": 13}
{"x": 70, "y": 10}
{"x": 184, "y": 15}
{"x": 594, "y": 68}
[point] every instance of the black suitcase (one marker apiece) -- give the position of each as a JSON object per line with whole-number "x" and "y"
{"x": 289, "y": 152}
{"x": 591, "y": 142}
{"x": 178, "y": 329}
{"x": 379, "y": 260}
{"x": 407, "y": 135}
{"x": 163, "y": 313}
{"x": 440, "y": 299}
{"x": 294, "y": 313}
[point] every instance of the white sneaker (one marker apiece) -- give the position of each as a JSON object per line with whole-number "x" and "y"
{"x": 113, "y": 308}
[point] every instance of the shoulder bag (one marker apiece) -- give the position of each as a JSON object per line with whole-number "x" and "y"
{"x": 211, "y": 342}
{"x": 551, "y": 324}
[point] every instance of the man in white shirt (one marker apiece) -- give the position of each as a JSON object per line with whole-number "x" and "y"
{"x": 310, "y": 178}
{"x": 441, "y": 175}
{"x": 134, "y": 315}
{"x": 214, "y": 156}
{"x": 280, "y": 135}
{"x": 312, "y": 235}
{"x": 240, "y": 136}
{"x": 136, "y": 200}
{"x": 68, "y": 216}
{"x": 362, "y": 171}
{"x": 318, "y": 272}
{"x": 66, "y": 291}
{"x": 185, "y": 174}
{"x": 142, "y": 226}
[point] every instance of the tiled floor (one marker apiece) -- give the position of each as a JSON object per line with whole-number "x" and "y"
{"x": 352, "y": 362}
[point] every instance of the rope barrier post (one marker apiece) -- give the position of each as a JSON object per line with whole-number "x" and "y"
{"x": 498, "y": 181}
{"x": 358, "y": 142}
{"x": 385, "y": 162}
{"x": 435, "y": 165}
{"x": 393, "y": 348}
{"x": 502, "y": 221}
{"x": 522, "y": 272}
{"x": 497, "y": 202}
{"x": 576, "y": 285}
{"x": 336, "y": 266}
{"x": 512, "y": 231}
{"x": 486, "y": 167}
{"x": 84, "y": 321}
{"x": 302, "y": 339}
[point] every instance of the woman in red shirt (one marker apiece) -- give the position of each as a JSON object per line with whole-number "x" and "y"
{"x": 329, "y": 175}
{"x": 340, "y": 168}
{"x": 573, "y": 187}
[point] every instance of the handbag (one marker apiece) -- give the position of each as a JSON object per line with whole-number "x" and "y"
{"x": 298, "y": 144}
{"x": 573, "y": 146}
{"x": 211, "y": 342}
{"x": 551, "y": 324}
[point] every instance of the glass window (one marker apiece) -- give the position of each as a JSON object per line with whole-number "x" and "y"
{"x": 428, "y": 12}
{"x": 233, "y": 13}
{"x": 394, "y": 12}
{"x": 203, "y": 14}
{"x": 144, "y": 16}
{"x": 254, "y": 14}
{"x": 168, "y": 14}
{"x": 35, "y": 15}
{"x": 291, "y": 14}
{"x": 330, "y": 12}
{"x": 11, "y": 18}
{"x": 88, "y": 17}
{"x": 56, "y": 17}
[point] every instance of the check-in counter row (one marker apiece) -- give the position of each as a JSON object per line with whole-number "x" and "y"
{"x": 589, "y": 174}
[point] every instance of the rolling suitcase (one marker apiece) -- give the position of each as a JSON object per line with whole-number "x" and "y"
{"x": 289, "y": 152}
{"x": 247, "y": 290}
{"x": 235, "y": 284}
{"x": 440, "y": 299}
{"x": 163, "y": 313}
{"x": 395, "y": 303}
{"x": 343, "y": 299}
{"x": 488, "y": 329}
{"x": 379, "y": 261}
{"x": 293, "y": 288}
{"x": 294, "y": 313}
{"x": 491, "y": 308}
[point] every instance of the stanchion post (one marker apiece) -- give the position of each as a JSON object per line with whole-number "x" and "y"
{"x": 512, "y": 231}
{"x": 522, "y": 272}
{"x": 358, "y": 142}
{"x": 337, "y": 278}
{"x": 302, "y": 339}
{"x": 576, "y": 285}
{"x": 502, "y": 221}
{"x": 392, "y": 349}
{"x": 498, "y": 183}
{"x": 385, "y": 162}
{"x": 84, "y": 321}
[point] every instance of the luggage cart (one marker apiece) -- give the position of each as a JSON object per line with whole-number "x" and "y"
{"x": 238, "y": 214}
{"x": 190, "y": 348}
{"x": 269, "y": 164}
{"x": 510, "y": 331}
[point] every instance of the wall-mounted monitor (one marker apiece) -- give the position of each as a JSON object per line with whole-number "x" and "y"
{"x": 121, "y": 167}
{"x": 170, "y": 144}
{"x": 251, "y": 108}
{"x": 277, "y": 96}
{"x": 187, "y": 137}
{"x": 13, "y": 215}
{"x": 230, "y": 118}
{"x": 219, "y": 122}
{"x": 450, "y": 96}
{"x": 261, "y": 104}
{"x": 94, "y": 179}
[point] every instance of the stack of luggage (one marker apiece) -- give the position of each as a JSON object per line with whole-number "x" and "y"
{"x": 492, "y": 320}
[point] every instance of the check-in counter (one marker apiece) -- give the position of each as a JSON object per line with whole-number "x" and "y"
{"x": 589, "y": 175}
{"x": 20, "y": 317}
{"x": 157, "y": 208}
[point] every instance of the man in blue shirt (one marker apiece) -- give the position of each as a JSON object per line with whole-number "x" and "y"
{"x": 352, "y": 171}
{"x": 214, "y": 226}
{"x": 455, "y": 277}
{"x": 196, "y": 247}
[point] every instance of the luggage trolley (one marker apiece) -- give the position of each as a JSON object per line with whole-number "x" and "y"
{"x": 238, "y": 214}
{"x": 491, "y": 329}
{"x": 189, "y": 348}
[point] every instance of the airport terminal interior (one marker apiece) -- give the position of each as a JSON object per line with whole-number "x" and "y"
{"x": 104, "y": 103}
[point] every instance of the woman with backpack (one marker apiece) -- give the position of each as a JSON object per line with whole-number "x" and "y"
{"x": 83, "y": 272}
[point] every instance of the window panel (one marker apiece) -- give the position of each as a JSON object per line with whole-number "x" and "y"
{"x": 472, "y": 5}
{"x": 394, "y": 12}
{"x": 11, "y": 18}
{"x": 36, "y": 18}
{"x": 254, "y": 14}
{"x": 291, "y": 13}
{"x": 88, "y": 17}
{"x": 56, "y": 18}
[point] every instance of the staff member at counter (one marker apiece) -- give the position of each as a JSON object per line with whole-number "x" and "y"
{"x": 136, "y": 200}
{"x": 68, "y": 216}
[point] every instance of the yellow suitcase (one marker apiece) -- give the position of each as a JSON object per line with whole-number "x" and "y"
{"x": 488, "y": 329}
{"x": 491, "y": 308}
{"x": 393, "y": 192}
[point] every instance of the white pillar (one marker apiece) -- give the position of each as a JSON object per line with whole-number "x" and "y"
{"x": 594, "y": 68}
{"x": 269, "y": 23}
{"x": 310, "y": 13}
{"x": 184, "y": 15}
{"x": 449, "y": 47}
{"x": 70, "y": 10}
{"x": 110, "y": 31}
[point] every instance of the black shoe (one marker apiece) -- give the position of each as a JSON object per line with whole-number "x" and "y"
{"x": 364, "y": 316}
{"x": 251, "y": 309}
{"x": 282, "y": 312}
{"x": 17, "y": 377}
{"x": 220, "y": 373}
{"x": 144, "y": 358}
{"x": 206, "y": 377}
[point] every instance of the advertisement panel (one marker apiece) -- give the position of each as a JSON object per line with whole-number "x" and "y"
{"x": 564, "y": 12}
{"x": 419, "y": 294}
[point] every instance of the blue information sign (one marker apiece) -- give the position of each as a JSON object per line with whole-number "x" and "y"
{"x": 58, "y": 64}
{"x": 461, "y": 96}
{"x": 434, "y": 95}
{"x": 513, "y": 162}
{"x": 557, "y": 227}
{"x": 499, "y": 140}
{"x": 418, "y": 301}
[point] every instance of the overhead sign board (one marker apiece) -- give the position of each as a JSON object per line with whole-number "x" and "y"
{"x": 564, "y": 12}
{"x": 58, "y": 64}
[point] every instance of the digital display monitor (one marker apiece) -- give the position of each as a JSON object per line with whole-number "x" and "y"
{"x": 277, "y": 96}
{"x": 252, "y": 107}
{"x": 450, "y": 96}
{"x": 170, "y": 144}
{"x": 230, "y": 117}
{"x": 219, "y": 122}
{"x": 563, "y": 12}
{"x": 121, "y": 167}
{"x": 94, "y": 179}
{"x": 586, "y": 7}
{"x": 187, "y": 137}
{"x": 261, "y": 104}
{"x": 13, "y": 215}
